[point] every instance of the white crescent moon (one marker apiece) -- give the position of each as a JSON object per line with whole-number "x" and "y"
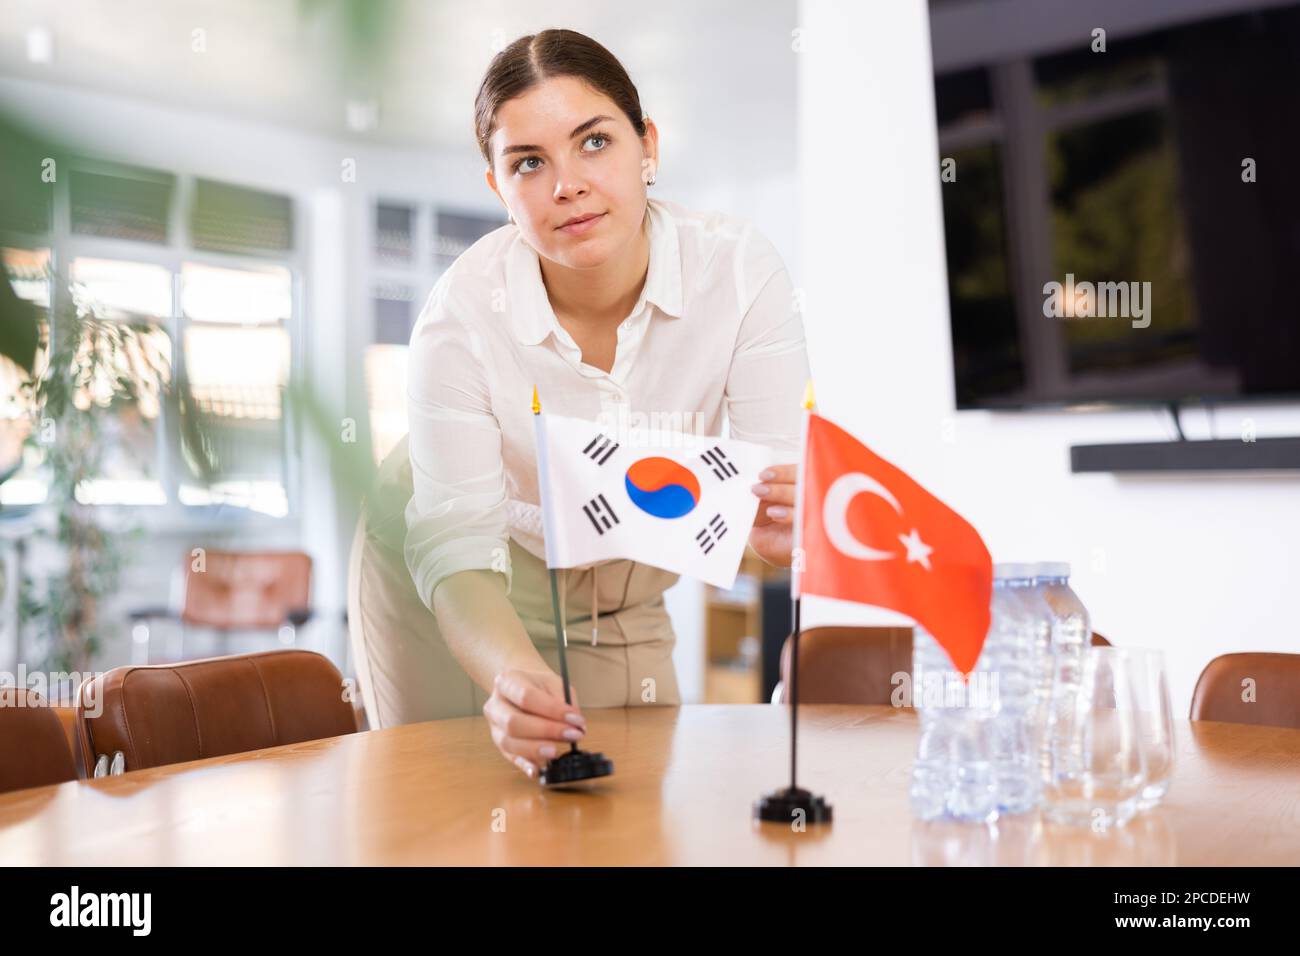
{"x": 835, "y": 513}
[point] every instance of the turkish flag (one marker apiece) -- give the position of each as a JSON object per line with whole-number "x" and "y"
{"x": 872, "y": 535}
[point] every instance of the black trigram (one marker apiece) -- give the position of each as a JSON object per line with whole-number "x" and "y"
{"x": 711, "y": 534}
{"x": 600, "y": 448}
{"x": 600, "y": 514}
{"x": 717, "y": 459}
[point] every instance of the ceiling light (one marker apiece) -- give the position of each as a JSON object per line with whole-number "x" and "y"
{"x": 40, "y": 45}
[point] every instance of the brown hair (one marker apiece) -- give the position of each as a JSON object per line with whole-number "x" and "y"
{"x": 539, "y": 56}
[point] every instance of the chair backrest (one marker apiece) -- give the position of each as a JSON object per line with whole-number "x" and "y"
{"x": 34, "y": 748}
{"x": 66, "y": 711}
{"x": 237, "y": 590}
{"x": 1250, "y": 688}
{"x": 168, "y": 713}
{"x": 848, "y": 665}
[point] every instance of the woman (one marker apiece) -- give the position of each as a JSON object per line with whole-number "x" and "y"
{"x": 611, "y": 304}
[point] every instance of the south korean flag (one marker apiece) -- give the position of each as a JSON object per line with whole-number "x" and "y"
{"x": 673, "y": 500}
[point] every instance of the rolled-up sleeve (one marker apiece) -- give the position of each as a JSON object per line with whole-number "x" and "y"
{"x": 769, "y": 366}
{"x": 456, "y": 518}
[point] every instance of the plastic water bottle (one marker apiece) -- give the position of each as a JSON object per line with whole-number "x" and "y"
{"x": 1071, "y": 635}
{"x": 1018, "y": 639}
{"x": 952, "y": 776}
{"x": 1032, "y": 593}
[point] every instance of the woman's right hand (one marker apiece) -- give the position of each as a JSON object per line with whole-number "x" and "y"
{"x": 529, "y": 719}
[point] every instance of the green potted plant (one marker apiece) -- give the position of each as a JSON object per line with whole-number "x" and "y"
{"x": 98, "y": 375}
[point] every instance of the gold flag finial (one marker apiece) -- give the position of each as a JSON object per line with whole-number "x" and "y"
{"x": 537, "y": 406}
{"x": 808, "y": 396}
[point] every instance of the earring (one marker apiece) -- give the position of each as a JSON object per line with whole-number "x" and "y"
{"x": 650, "y": 181}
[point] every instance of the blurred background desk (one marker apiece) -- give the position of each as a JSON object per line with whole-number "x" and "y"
{"x": 439, "y": 793}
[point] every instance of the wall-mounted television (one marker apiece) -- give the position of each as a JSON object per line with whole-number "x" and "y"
{"x": 1121, "y": 199}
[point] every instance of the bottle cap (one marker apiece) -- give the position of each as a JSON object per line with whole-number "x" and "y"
{"x": 1052, "y": 569}
{"x": 1013, "y": 571}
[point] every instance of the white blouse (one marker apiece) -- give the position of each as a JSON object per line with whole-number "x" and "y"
{"x": 716, "y": 328}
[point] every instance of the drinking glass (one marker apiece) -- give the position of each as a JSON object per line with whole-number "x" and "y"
{"x": 1098, "y": 769}
{"x": 1156, "y": 724}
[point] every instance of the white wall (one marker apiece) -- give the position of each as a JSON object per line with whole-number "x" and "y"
{"x": 1197, "y": 565}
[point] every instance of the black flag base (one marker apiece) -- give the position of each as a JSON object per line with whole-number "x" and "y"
{"x": 781, "y": 806}
{"x": 575, "y": 766}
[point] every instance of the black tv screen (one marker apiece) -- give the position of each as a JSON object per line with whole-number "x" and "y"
{"x": 1121, "y": 199}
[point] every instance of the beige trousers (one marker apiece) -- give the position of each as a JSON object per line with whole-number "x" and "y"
{"x": 406, "y": 671}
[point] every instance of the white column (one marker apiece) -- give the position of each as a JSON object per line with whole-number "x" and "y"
{"x": 871, "y": 235}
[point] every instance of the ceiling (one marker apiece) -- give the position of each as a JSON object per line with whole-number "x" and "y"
{"x": 712, "y": 74}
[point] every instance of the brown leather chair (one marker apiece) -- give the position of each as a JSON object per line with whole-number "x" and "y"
{"x": 1099, "y": 641}
{"x": 169, "y": 713}
{"x": 67, "y": 714}
{"x": 236, "y": 591}
{"x": 848, "y": 665}
{"x": 34, "y": 749}
{"x": 1272, "y": 699}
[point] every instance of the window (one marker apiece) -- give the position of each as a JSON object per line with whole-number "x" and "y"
{"x": 130, "y": 205}
{"x": 394, "y": 234}
{"x": 28, "y": 273}
{"x": 229, "y": 218}
{"x": 237, "y": 359}
{"x": 122, "y": 291}
{"x": 114, "y": 289}
{"x": 455, "y": 232}
{"x": 412, "y": 246}
{"x": 386, "y": 394}
{"x": 217, "y": 287}
{"x": 394, "y": 304}
{"x": 18, "y": 474}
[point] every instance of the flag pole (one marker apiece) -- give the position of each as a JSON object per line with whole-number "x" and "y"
{"x": 796, "y": 596}
{"x": 794, "y": 691}
{"x": 576, "y": 764}
{"x": 561, "y": 638}
{"x": 792, "y": 804}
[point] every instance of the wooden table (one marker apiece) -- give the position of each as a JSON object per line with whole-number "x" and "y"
{"x": 438, "y": 793}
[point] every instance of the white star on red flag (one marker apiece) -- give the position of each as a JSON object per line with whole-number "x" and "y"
{"x": 917, "y": 550}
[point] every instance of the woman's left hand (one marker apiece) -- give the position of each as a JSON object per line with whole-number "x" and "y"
{"x": 773, "y": 533}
